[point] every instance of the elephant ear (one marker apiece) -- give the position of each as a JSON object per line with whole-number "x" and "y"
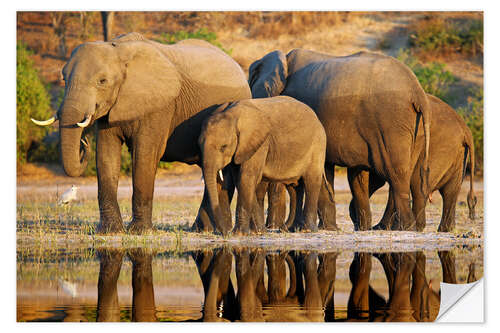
{"x": 252, "y": 129}
{"x": 151, "y": 82}
{"x": 267, "y": 76}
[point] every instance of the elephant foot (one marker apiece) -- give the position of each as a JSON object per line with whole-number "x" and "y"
{"x": 105, "y": 229}
{"x": 445, "y": 228}
{"x": 139, "y": 228}
{"x": 201, "y": 227}
{"x": 380, "y": 226}
{"x": 239, "y": 231}
{"x": 329, "y": 227}
{"x": 309, "y": 228}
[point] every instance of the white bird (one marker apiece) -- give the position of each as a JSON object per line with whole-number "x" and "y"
{"x": 68, "y": 196}
{"x": 68, "y": 287}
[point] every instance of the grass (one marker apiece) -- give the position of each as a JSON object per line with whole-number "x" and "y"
{"x": 438, "y": 36}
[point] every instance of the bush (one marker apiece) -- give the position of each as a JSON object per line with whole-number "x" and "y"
{"x": 443, "y": 37}
{"x": 472, "y": 114}
{"x": 33, "y": 101}
{"x": 433, "y": 77}
{"x": 204, "y": 34}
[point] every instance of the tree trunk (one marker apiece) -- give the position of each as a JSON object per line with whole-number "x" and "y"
{"x": 107, "y": 24}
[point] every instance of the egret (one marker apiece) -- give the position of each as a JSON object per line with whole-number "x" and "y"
{"x": 68, "y": 196}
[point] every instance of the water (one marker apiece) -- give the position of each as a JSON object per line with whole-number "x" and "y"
{"x": 237, "y": 284}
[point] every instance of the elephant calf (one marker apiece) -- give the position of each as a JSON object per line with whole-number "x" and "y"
{"x": 276, "y": 139}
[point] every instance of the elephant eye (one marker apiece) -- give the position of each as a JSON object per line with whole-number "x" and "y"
{"x": 103, "y": 81}
{"x": 223, "y": 147}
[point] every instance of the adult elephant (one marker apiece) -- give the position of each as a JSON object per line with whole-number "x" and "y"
{"x": 139, "y": 92}
{"x": 451, "y": 152}
{"x": 370, "y": 106}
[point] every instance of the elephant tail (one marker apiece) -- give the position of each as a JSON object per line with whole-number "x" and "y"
{"x": 331, "y": 195}
{"x": 469, "y": 155}
{"x": 425, "y": 112}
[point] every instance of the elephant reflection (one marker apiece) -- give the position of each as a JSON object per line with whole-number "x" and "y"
{"x": 409, "y": 299}
{"x": 214, "y": 268}
{"x": 143, "y": 303}
{"x": 309, "y": 296}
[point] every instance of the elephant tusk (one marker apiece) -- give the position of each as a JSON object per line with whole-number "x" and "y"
{"x": 220, "y": 175}
{"x": 84, "y": 141}
{"x": 44, "y": 122}
{"x": 86, "y": 122}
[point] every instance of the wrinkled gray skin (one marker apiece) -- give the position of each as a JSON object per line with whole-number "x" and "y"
{"x": 139, "y": 92}
{"x": 370, "y": 106}
{"x": 275, "y": 139}
{"x": 451, "y": 152}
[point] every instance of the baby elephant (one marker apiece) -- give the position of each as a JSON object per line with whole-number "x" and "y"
{"x": 276, "y": 139}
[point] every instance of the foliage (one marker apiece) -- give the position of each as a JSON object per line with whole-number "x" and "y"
{"x": 204, "y": 34}
{"x": 33, "y": 101}
{"x": 441, "y": 37}
{"x": 472, "y": 114}
{"x": 433, "y": 77}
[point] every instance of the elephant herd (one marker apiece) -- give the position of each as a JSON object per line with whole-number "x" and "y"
{"x": 284, "y": 285}
{"x": 284, "y": 129}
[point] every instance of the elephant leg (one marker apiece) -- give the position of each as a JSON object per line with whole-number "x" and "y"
{"x": 312, "y": 184}
{"x": 449, "y": 192}
{"x": 143, "y": 297}
{"x": 292, "y": 193}
{"x": 260, "y": 196}
{"x": 419, "y": 201}
{"x": 204, "y": 219}
{"x": 299, "y": 206}
{"x": 145, "y": 161}
{"x": 108, "y": 172}
{"x": 359, "y": 184}
{"x": 276, "y": 196}
{"x": 108, "y": 308}
{"x": 397, "y": 169}
{"x": 247, "y": 202}
{"x": 447, "y": 260}
{"x": 403, "y": 218}
{"x": 326, "y": 203}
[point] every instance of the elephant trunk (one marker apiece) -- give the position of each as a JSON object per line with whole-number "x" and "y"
{"x": 73, "y": 148}
{"x": 210, "y": 176}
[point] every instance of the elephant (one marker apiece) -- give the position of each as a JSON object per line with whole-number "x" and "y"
{"x": 451, "y": 146}
{"x": 375, "y": 114}
{"x": 140, "y": 92}
{"x": 276, "y": 139}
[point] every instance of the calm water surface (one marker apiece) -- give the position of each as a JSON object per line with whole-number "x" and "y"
{"x": 237, "y": 284}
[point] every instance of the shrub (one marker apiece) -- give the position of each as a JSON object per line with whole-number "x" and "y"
{"x": 438, "y": 36}
{"x": 33, "y": 101}
{"x": 204, "y": 34}
{"x": 433, "y": 77}
{"x": 472, "y": 114}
